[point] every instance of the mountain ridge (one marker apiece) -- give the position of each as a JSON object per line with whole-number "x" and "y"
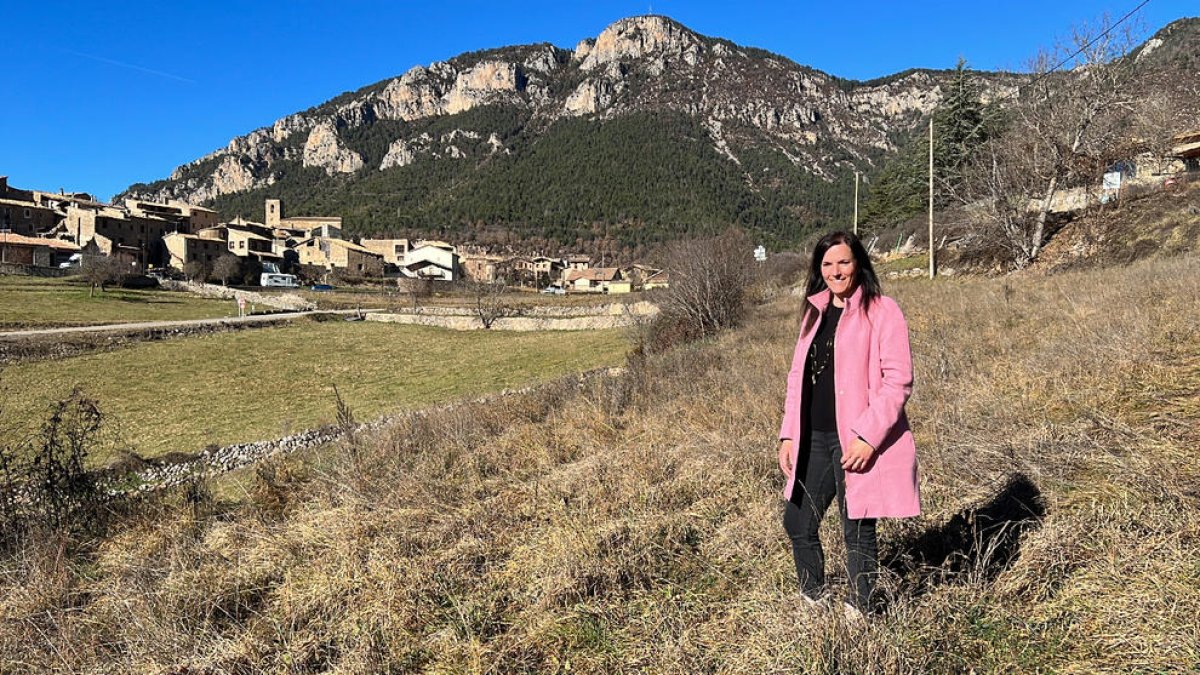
{"x": 775, "y": 125}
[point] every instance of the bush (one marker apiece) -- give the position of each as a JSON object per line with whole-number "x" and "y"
{"x": 43, "y": 482}
{"x": 710, "y": 280}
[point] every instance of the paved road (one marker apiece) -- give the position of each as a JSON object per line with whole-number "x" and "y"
{"x": 156, "y": 325}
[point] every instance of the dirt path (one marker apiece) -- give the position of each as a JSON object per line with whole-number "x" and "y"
{"x": 159, "y": 325}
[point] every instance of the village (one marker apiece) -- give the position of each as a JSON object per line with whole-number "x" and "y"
{"x": 49, "y": 233}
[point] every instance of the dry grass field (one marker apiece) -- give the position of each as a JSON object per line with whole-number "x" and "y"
{"x": 234, "y": 387}
{"x": 35, "y": 302}
{"x": 633, "y": 524}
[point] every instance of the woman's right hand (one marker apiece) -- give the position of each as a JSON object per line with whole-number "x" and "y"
{"x": 785, "y": 456}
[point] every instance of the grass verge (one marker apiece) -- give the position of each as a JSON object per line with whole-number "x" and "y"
{"x": 35, "y": 302}
{"x": 229, "y": 387}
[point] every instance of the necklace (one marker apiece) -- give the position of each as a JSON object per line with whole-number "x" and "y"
{"x": 819, "y": 367}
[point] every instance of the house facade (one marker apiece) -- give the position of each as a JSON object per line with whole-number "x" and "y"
{"x": 594, "y": 280}
{"x": 332, "y": 253}
{"x": 392, "y": 250}
{"x": 26, "y": 212}
{"x": 435, "y": 260}
{"x": 182, "y": 249}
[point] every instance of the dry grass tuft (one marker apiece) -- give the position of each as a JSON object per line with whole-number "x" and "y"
{"x": 632, "y": 523}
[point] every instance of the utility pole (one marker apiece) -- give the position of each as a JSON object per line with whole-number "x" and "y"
{"x": 931, "y": 243}
{"x": 856, "y": 203}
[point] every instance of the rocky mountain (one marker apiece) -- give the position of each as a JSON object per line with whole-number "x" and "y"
{"x": 648, "y": 130}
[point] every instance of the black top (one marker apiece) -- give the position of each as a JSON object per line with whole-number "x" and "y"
{"x": 818, "y": 371}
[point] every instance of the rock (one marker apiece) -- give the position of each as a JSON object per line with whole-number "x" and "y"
{"x": 637, "y": 37}
{"x": 487, "y": 82}
{"x": 399, "y": 153}
{"x": 324, "y": 149}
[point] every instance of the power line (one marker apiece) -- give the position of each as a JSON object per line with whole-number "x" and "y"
{"x": 1091, "y": 42}
{"x": 1065, "y": 60}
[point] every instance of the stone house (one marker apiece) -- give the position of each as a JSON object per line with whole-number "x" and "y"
{"x": 24, "y": 212}
{"x": 482, "y": 267}
{"x": 187, "y": 217}
{"x": 185, "y": 248}
{"x": 1187, "y": 149}
{"x": 392, "y": 250}
{"x": 658, "y": 280}
{"x": 328, "y": 227}
{"x": 110, "y": 226}
{"x": 592, "y": 280}
{"x": 16, "y": 249}
{"x": 247, "y": 244}
{"x": 331, "y": 253}
{"x": 638, "y": 273}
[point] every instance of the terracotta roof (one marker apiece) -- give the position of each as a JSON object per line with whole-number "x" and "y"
{"x": 16, "y": 239}
{"x": 658, "y": 276}
{"x": 249, "y": 234}
{"x": 349, "y": 244}
{"x": 25, "y": 204}
{"x": 593, "y": 274}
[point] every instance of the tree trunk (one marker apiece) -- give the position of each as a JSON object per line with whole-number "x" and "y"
{"x": 1039, "y": 230}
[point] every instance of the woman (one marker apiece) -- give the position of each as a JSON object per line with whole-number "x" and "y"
{"x": 844, "y": 431}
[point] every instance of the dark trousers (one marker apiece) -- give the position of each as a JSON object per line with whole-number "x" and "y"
{"x": 820, "y": 477}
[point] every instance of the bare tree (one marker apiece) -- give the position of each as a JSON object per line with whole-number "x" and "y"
{"x": 709, "y": 281}
{"x": 1064, "y": 131}
{"x": 227, "y": 266}
{"x": 492, "y": 303}
{"x": 416, "y": 288}
{"x": 101, "y": 270}
{"x": 196, "y": 270}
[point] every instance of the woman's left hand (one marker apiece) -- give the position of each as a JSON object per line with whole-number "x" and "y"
{"x": 858, "y": 456}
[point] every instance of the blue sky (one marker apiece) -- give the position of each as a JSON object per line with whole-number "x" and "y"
{"x": 96, "y": 96}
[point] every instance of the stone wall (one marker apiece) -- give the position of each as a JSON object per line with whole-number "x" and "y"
{"x": 287, "y": 301}
{"x": 597, "y": 317}
{"x": 35, "y": 271}
{"x": 214, "y": 461}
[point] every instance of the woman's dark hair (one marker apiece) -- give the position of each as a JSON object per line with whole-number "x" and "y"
{"x": 864, "y": 274}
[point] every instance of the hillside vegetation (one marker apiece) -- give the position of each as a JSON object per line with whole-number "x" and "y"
{"x": 641, "y": 178}
{"x": 633, "y": 524}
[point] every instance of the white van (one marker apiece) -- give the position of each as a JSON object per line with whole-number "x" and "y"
{"x": 275, "y": 279}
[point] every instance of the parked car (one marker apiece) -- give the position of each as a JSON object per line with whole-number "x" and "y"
{"x": 554, "y": 290}
{"x": 321, "y": 287}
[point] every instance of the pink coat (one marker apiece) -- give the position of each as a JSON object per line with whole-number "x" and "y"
{"x": 873, "y": 379}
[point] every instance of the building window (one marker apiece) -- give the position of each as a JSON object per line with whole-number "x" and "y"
{"x": 28, "y": 214}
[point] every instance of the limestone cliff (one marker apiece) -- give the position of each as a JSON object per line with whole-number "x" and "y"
{"x": 743, "y": 101}
{"x": 325, "y": 149}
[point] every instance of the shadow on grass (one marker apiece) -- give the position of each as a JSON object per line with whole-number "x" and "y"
{"x": 977, "y": 543}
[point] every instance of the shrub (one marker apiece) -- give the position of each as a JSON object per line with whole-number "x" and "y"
{"x": 710, "y": 279}
{"x": 43, "y": 481}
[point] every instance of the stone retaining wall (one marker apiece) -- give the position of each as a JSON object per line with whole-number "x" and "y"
{"x": 616, "y": 315}
{"x": 17, "y": 269}
{"x": 287, "y": 301}
{"x": 214, "y": 461}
